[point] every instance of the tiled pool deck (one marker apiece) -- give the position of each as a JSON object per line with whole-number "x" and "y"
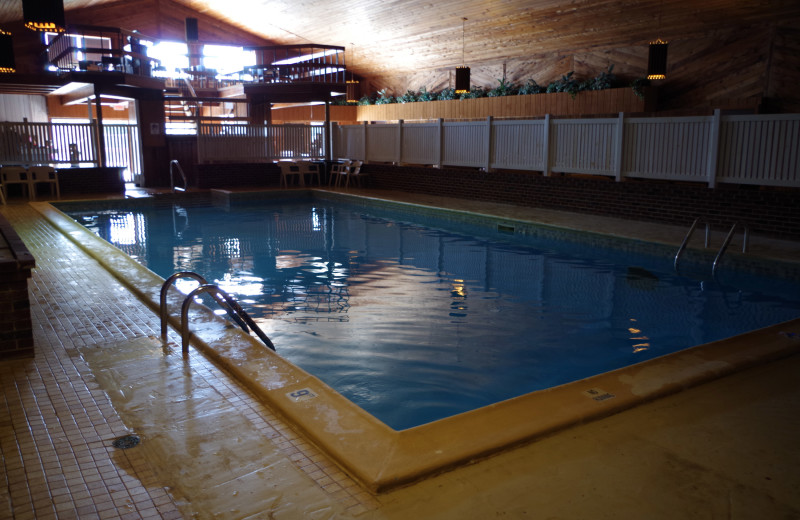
{"x": 210, "y": 450}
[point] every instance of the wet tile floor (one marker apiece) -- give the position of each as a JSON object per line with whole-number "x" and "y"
{"x": 58, "y": 425}
{"x": 666, "y": 459}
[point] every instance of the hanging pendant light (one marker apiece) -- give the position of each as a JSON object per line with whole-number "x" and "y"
{"x": 44, "y": 15}
{"x": 462, "y": 72}
{"x": 657, "y": 60}
{"x": 7, "y": 64}
{"x": 352, "y": 91}
{"x": 352, "y": 84}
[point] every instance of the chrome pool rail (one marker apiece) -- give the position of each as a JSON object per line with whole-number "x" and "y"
{"x": 722, "y": 249}
{"x": 175, "y": 164}
{"x": 225, "y": 300}
{"x": 727, "y": 242}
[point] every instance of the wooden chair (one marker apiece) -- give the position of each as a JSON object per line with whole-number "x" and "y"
{"x": 16, "y": 175}
{"x": 290, "y": 169}
{"x": 44, "y": 175}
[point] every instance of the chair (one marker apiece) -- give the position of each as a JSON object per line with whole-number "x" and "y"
{"x": 44, "y": 175}
{"x": 355, "y": 174}
{"x": 337, "y": 171}
{"x": 290, "y": 169}
{"x": 311, "y": 169}
{"x": 16, "y": 175}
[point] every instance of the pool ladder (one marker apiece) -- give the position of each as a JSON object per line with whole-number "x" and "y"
{"x": 722, "y": 249}
{"x": 225, "y": 300}
{"x": 175, "y": 164}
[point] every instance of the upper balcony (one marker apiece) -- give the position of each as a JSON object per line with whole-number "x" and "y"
{"x": 87, "y": 48}
{"x": 93, "y": 52}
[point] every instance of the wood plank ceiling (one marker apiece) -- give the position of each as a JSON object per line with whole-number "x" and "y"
{"x": 403, "y": 36}
{"x": 394, "y": 38}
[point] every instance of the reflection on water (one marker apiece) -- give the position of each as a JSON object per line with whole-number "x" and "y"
{"x": 415, "y": 323}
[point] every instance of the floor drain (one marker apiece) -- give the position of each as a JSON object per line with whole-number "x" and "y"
{"x": 125, "y": 442}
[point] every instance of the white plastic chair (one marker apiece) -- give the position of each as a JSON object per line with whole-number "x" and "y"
{"x": 355, "y": 174}
{"x": 290, "y": 169}
{"x": 44, "y": 175}
{"x": 339, "y": 171}
{"x": 311, "y": 169}
{"x": 16, "y": 175}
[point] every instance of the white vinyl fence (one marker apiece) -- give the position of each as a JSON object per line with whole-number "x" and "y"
{"x": 259, "y": 143}
{"x": 741, "y": 149}
{"x": 70, "y": 143}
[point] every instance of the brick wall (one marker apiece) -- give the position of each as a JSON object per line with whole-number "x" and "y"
{"x": 769, "y": 211}
{"x": 16, "y": 262}
{"x": 236, "y": 175}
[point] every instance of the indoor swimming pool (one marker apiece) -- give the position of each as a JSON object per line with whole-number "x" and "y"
{"x": 417, "y": 316}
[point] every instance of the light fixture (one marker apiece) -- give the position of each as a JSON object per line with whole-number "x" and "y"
{"x": 462, "y": 72}
{"x": 657, "y": 60}
{"x": 44, "y": 15}
{"x": 352, "y": 83}
{"x": 7, "y": 64}
{"x": 352, "y": 91}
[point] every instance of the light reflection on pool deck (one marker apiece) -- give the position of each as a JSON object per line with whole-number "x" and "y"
{"x": 381, "y": 458}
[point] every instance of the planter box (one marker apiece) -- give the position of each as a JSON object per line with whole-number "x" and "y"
{"x": 610, "y": 101}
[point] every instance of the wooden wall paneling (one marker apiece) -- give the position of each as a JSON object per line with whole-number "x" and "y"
{"x": 784, "y": 72}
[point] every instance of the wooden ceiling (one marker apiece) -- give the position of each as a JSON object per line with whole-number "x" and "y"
{"x": 402, "y": 36}
{"x": 403, "y": 44}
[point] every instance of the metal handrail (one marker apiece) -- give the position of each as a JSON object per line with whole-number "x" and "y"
{"x": 722, "y": 249}
{"x": 174, "y": 162}
{"x": 686, "y": 240}
{"x": 163, "y": 300}
{"x": 727, "y": 242}
{"x": 229, "y": 303}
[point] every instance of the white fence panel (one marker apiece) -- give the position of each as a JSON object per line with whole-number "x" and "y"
{"x": 519, "y": 145}
{"x": 420, "y": 143}
{"x": 761, "y": 150}
{"x": 583, "y": 146}
{"x": 295, "y": 141}
{"x": 667, "y": 148}
{"x": 464, "y": 143}
{"x": 382, "y": 141}
{"x": 123, "y": 149}
{"x": 236, "y": 143}
{"x": 43, "y": 143}
{"x": 259, "y": 143}
{"x": 352, "y": 145}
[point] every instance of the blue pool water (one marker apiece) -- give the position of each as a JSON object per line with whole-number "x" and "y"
{"x": 418, "y": 318}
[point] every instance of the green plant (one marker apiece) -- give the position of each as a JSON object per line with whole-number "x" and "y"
{"x": 506, "y": 88}
{"x": 603, "y": 80}
{"x": 447, "y": 94}
{"x": 474, "y": 92}
{"x": 424, "y": 95}
{"x": 638, "y": 86}
{"x": 566, "y": 84}
{"x": 408, "y": 97}
{"x": 384, "y": 98}
{"x": 531, "y": 87}
{"x": 365, "y": 100}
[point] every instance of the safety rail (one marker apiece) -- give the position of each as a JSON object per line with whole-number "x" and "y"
{"x": 175, "y": 163}
{"x": 725, "y": 244}
{"x": 722, "y": 249}
{"x": 225, "y": 300}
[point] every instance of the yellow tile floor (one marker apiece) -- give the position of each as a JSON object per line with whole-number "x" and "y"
{"x": 724, "y": 449}
{"x": 58, "y": 424}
